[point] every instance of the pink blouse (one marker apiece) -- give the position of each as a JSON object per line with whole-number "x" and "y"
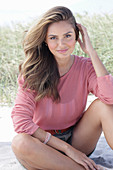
{"x": 74, "y": 87}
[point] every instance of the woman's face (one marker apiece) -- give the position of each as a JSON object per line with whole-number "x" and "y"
{"x": 61, "y": 39}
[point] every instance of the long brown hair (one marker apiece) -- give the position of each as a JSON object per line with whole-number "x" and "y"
{"x": 40, "y": 69}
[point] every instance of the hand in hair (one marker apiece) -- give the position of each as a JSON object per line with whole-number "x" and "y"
{"x": 85, "y": 43}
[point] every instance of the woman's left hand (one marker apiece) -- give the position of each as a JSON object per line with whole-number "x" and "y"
{"x": 85, "y": 43}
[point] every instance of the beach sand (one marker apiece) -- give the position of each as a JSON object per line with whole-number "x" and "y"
{"x": 102, "y": 155}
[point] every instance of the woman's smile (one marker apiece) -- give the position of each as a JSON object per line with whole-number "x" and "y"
{"x": 63, "y": 51}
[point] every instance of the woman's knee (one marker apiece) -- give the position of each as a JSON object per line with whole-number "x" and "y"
{"x": 97, "y": 102}
{"x": 101, "y": 105}
{"x": 20, "y": 143}
{"x": 21, "y": 148}
{"x": 101, "y": 108}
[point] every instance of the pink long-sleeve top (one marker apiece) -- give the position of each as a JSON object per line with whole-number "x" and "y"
{"x": 74, "y": 87}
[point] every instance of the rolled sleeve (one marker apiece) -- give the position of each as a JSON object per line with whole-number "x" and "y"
{"x": 105, "y": 88}
{"x": 101, "y": 87}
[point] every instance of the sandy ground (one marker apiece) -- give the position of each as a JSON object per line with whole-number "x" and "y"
{"x": 102, "y": 155}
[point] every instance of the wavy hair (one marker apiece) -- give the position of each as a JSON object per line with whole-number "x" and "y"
{"x": 40, "y": 69}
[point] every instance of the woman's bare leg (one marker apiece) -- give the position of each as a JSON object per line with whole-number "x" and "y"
{"x": 98, "y": 117}
{"x": 35, "y": 155}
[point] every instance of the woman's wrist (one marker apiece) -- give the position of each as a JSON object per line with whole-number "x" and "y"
{"x": 47, "y": 138}
{"x": 92, "y": 53}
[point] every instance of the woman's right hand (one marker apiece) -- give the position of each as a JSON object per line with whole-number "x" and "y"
{"x": 81, "y": 158}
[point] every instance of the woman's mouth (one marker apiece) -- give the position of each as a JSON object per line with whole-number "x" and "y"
{"x": 62, "y": 51}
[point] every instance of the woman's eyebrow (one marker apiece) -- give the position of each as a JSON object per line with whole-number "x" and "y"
{"x": 68, "y": 32}
{"x": 63, "y": 34}
{"x": 51, "y": 35}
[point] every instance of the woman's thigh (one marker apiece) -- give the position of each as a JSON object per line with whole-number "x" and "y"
{"x": 88, "y": 130}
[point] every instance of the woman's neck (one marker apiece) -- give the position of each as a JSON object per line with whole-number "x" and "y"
{"x": 65, "y": 65}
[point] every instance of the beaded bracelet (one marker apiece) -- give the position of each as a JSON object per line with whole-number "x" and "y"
{"x": 48, "y": 136}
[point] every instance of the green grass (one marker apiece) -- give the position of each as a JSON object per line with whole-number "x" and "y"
{"x": 11, "y": 53}
{"x": 100, "y": 29}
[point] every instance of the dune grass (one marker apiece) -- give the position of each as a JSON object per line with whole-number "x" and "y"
{"x": 100, "y": 29}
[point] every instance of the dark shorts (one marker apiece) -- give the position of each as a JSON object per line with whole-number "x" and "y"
{"x": 67, "y": 137}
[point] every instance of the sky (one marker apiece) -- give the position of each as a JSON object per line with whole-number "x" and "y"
{"x": 25, "y": 10}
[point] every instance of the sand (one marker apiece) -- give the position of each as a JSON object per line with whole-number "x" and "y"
{"x": 102, "y": 155}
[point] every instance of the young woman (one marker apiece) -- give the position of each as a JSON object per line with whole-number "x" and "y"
{"x": 55, "y": 130}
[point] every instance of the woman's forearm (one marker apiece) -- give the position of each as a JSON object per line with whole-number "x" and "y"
{"x": 97, "y": 64}
{"x": 54, "y": 142}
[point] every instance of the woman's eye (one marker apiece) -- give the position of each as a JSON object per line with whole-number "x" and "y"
{"x": 68, "y": 35}
{"x": 53, "y": 38}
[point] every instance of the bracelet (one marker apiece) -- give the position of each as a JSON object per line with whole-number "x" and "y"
{"x": 48, "y": 136}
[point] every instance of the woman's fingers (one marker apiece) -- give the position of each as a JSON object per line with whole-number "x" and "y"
{"x": 83, "y": 32}
{"x": 83, "y": 41}
{"x": 91, "y": 164}
{"x": 82, "y": 29}
{"x": 80, "y": 42}
{"x": 85, "y": 44}
{"x": 87, "y": 163}
{"x": 82, "y": 45}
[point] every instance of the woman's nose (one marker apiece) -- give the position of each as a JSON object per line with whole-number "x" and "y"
{"x": 61, "y": 42}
